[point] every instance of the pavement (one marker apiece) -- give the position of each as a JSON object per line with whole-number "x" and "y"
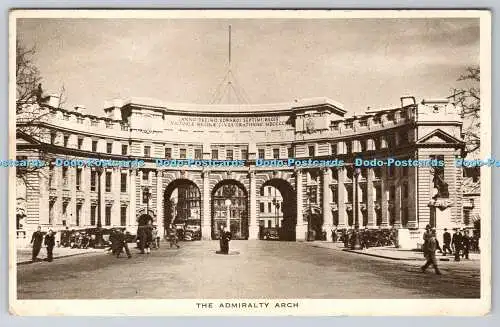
{"x": 24, "y": 254}
{"x": 391, "y": 252}
{"x": 258, "y": 269}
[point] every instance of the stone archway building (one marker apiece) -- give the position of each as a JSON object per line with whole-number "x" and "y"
{"x": 143, "y": 130}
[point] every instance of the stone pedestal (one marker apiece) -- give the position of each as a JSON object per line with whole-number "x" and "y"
{"x": 441, "y": 217}
{"x": 206, "y": 233}
{"x": 409, "y": 239}
{"x": 300, "y": 232}
{"x": 253, "y": 232}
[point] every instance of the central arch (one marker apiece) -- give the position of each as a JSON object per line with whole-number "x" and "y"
{"x": 182, "y": 206}
{"x": 235, "y": 191}
{"x": 286, "y": 230}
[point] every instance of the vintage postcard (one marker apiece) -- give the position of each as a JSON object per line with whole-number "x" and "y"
{"x": 279, "y": 162}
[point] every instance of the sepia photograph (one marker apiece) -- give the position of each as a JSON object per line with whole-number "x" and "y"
{"x": 239, "y": 162}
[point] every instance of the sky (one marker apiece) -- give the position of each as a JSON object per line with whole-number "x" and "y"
{"x": 358, "y": 62}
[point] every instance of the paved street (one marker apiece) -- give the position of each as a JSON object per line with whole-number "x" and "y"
{"x": 260, "y": 270}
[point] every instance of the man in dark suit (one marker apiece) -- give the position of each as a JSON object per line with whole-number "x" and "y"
{"x": 121, "y": 243}
{"x": 465, "y": 245}
{"x": 36, "y": 240}
{"x": 446, "y": 242}
{"x": 456, "y": 242}
{"x": 225, "y": 238}
{"x": 430, "y": 248}
{"x": 50, "y": 243}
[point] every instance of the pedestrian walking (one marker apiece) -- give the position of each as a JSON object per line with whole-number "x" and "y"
{"x": 456, "y": 242}
{"x": 36, "y": 240}
{"x": 465, "y": 245}
{"x": 148, "y": 233}
{"x": 430, "y": 247}
{"x": 141, "y": 238}
{"x": 446, "y": 242}
{"x": 50, "y": 243}
{"x": 121, "y": 243}
{"x": 156, "y": 238}
{"x": 172, "y": 236}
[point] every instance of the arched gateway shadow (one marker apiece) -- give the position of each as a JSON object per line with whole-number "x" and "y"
{"x": 235, "y": 191}
{"x": 288, "y": 208}
{"x": 185, "y": 207}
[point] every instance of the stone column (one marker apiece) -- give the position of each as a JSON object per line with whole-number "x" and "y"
{"x": 116, "y": 210}
{"x": 205, "y": 214}
{"x": 132, "y": 201}
{"x": 412, "y": 198}
{"x": 86, "y": 193}
{"x": 71, "y": 220}
{"x": 44, "y": 197}
{"x": 159, "y": 201}
{"x": 369, "y": 199}
{"x": 253, "y": 228}
{"x": 341, "y": 198}
{"x": 327, "y": 198}
{"x": 397, "y": 206}
{"x": 103, "y": 197}
{"x": 301, "y": 228}
{"x": 384, "y": 204}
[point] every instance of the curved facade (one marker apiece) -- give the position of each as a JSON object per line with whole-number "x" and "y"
{"x": 317, "y": 129}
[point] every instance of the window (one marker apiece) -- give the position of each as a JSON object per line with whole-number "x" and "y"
{"x": 215, "y": 154}
{"x": 65, "y": 140}
{"x": 311, "y": 150}
{"x": 78, "y": 178}
{"x": 244, "y": 154}
{"x": 79, "y": 120}
{"x": 109, "y": 147}
{"x": 405, "y": 171}
{"x": 262, "y": 191}
{"x": 51, "y": 175}
{"x": 147, "y": 151}
{"x": 269, "y": 223}
{"x": 348, "y": 147}
{"x": 145, "y": 176}
{"x": 80, "y": 143}
{"x": 65, "y": 209}
{"x": 333, "y": 149}
{"x": 269, "y": 191}
{"x": 93, "y": 122}
{"x": 78, "y": 214}
{"x": 403, "y": 137}
{"x": 93, "y": 214}
{"x": 229, "y": 154}
{"x": 261, "y": 153}
{"x": 66, "y": 116}
{"x": 124, "y": 149}
{"x": 108, "y": 181}
{"x": 198, "y": 154}
{"x": 261, "y": 207}
{"x": 53, "y": 137}
{"x": 123, "y": 215}
{"x": 65, "y": 176}
{"x": 51, "y": 212}
{"x": 124, "y": 127}
{"x": 107, "y": 216}
{"x": 94, "y": 146}
{"x": 182, "y": 153}
{"x": 276, "y": 153}
{"x": 290, "y": 152}
{"x": 269, "y": 207}
{"x": 93, "y": 180}
{"x": 123, "y": 183}
{"x": 168, "y": 153}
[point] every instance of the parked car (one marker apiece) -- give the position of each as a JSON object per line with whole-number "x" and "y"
{"x": 271, "y": 234}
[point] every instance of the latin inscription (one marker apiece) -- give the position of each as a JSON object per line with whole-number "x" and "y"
{"x": 230, "y": 122}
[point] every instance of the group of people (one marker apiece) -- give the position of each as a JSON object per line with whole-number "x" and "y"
{"x": 367, "y": 237}
{"x": 460, "y": 244}
{"x": 47, "y": 240}
{"x": 76, "y": 239}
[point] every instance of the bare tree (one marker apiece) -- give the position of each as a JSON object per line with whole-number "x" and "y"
{"x": 469, "y": 98}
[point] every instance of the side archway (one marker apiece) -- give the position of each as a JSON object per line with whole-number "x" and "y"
{"x": 288, "y": 207}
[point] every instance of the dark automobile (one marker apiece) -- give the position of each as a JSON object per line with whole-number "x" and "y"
{"x": 271, "y": 234}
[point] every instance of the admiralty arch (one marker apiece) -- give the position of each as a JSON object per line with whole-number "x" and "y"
{"x": 312, "y": 195}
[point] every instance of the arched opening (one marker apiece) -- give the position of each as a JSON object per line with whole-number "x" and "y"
{"x": 182, "y": 208}
{"x": 277, "y": 210}
{"x": 230, "y": 206}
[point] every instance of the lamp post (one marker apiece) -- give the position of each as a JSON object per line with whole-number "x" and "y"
{"x": 309, "y": 195}
{"x": 228, "y": 217}
{"x": 99, "y": 242}
{"x": 356, "y": 244}
{"x": 147, "y": 195}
